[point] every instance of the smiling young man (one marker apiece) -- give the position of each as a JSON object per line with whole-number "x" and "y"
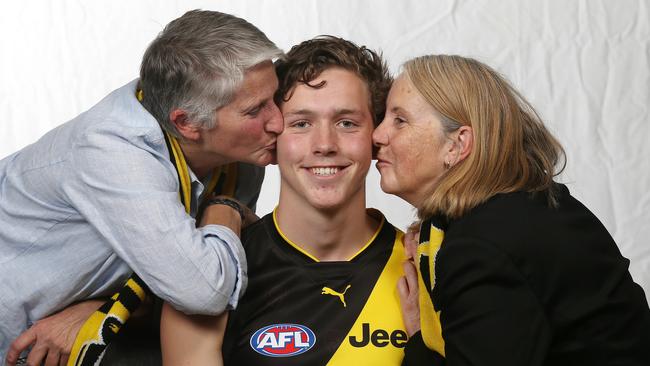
{"x": 322, "y": 267}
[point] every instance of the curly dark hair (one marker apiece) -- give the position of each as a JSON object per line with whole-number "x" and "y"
{"x": 307, "y": 60}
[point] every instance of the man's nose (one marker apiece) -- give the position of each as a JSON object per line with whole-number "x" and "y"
{"x": 325, "y": 140}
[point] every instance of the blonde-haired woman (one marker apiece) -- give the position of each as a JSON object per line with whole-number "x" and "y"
{"x": 511, "y": 269}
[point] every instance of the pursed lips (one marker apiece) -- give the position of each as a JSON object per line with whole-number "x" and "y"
{"x": 381, "y": 162}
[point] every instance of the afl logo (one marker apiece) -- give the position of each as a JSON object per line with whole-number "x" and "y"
{"x": 283, "y": 340}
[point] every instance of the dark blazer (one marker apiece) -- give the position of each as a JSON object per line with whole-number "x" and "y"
{"x": 520, "y": 283}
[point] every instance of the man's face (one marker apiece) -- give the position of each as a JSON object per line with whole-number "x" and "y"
{"x": 247, "y": 127}
{"x": 325, "y": 150}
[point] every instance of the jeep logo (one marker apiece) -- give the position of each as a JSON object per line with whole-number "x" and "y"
{"x": 379, "y": 338}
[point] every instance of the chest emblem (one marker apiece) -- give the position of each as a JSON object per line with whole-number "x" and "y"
{"x": 341, "y": 295}
{"x": 283, "y": 340}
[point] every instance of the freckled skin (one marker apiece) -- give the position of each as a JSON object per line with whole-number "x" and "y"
{"x": 412, "y": 147}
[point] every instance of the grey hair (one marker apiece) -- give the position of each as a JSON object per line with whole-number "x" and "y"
{"x": 197, "y": 63}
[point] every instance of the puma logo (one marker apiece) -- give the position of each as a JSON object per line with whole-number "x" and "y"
{"x": 341, "y": 295}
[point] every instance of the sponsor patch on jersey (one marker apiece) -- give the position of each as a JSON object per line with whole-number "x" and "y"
{"x": 283, "y": 340}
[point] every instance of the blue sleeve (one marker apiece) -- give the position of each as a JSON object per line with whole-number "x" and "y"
{"x": 129, "y": 195}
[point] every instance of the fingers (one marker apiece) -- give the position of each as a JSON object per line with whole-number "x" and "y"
{"x": 63, "y": 359}
{"x": 36, "y": 356}
{"x": 52, "y": 358}
{"x": 26, "y": 339}
{"x": 407, "y": 287}
{"x": 411, "y": 244}
{"x": 411, "y": 276}
{"x": 403, "y": 289}
{"x": 52, "y": 338}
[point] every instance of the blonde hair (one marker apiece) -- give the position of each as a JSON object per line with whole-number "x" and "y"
{"x": 512, "y": 150}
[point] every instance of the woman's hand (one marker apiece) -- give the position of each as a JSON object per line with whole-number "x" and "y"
{"x": 407, "y": 287}
{"x": 411, "y": 243}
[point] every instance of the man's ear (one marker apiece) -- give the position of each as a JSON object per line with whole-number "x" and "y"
{"x": 462, "y": 145}
{"x": 185, "y": 128}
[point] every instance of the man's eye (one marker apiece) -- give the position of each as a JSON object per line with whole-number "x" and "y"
{"x": 346, "y": 123}
{"x": 300, "y": 124}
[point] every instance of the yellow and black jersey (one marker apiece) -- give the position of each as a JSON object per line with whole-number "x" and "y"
{"x": 299, "y": 311}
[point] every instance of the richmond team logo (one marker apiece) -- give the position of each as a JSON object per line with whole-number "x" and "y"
{"x": 283, "y": 340}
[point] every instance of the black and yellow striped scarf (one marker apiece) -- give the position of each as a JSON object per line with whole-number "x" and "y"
{"x": 105, "y": 323}
{"x": 431, "y": 236}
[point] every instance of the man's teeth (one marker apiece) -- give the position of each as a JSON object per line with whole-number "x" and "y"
{"x": 324, "y": 171}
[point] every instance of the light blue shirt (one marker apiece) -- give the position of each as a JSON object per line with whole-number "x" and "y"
{"x": 97, "y": 198}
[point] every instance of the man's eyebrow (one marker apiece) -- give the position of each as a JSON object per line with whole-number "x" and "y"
{"x": 346, "y": 111}
{"x": 299, "y": 112}
{"x": 336, "y": 113}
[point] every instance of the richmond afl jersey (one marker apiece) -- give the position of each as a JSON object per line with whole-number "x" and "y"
{"x": 299, "y": 311}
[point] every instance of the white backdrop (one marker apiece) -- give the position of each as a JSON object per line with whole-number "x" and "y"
{"x": 585, "y": 65}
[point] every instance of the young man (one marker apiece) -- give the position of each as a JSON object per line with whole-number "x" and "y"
{"x": 323, "y": 268}
{"x": 98, "y": 197}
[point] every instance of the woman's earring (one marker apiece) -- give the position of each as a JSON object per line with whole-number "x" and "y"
{"x": 447, "y": 165}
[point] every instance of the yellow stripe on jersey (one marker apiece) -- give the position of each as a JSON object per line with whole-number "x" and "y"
{"x": 382, "y": 314}
{"x": 299, "y": 248}
{"x": 372, "y": 239}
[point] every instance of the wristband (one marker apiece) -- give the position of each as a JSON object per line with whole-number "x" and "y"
{"x": 227, "y": 202}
